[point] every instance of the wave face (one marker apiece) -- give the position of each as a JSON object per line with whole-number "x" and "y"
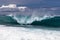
{"x": 30, "y": 20}
{"x": 53, "y": 22}
{"x": 7, "y": 20}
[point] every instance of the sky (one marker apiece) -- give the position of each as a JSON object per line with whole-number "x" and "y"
{"x": 32, "y": 3}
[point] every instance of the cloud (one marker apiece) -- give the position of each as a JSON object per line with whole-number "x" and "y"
{"x": 33, "y": 3}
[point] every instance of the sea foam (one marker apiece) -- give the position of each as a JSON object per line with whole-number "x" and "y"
{"x": 20, "y": 33}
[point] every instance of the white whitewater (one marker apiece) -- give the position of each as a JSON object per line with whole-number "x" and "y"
{"x": 20, "y": 33}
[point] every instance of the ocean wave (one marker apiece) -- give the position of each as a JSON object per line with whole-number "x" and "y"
{"x": 30, "y": 20}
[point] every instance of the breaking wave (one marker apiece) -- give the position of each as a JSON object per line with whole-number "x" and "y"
{"x": 30, "y": 20}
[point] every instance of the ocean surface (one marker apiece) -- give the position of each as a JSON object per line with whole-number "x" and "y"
{"x": 30, "y": 24}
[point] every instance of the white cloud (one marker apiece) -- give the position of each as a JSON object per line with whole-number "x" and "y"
{"x": 9, "y": 6}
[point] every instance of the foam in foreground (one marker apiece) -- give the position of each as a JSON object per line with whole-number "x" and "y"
{"x": 20, "y": 33}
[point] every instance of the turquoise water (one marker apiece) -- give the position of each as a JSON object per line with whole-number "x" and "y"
{"x": 27, "y": 20}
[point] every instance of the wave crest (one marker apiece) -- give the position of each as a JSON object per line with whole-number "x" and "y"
{"x": 29, "y": 19}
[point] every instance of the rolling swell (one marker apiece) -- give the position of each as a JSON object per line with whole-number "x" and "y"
{"x": 54, "y": 21}
{"x": 7, "y": 20}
